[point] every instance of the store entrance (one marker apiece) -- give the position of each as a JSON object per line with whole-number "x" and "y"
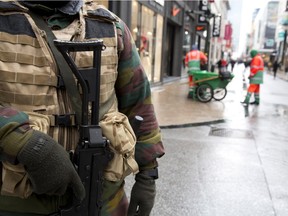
{"x": 168, "y": 51}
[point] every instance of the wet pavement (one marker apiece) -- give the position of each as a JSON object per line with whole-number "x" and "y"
{"x": 173, "y": 108}
{"x": 223, "y": 159}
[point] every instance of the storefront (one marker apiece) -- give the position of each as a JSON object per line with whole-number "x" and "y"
{"x": 189, "y": 32}
{"x": 145, "y": 20}
{"x": 158, "y": 31}
{"x": 173, "y": 39}
{"x": 147, "y": 31}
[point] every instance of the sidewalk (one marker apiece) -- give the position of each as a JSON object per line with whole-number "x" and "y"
{"x": 280, "y": 74}
{"x": 174, "y": 109}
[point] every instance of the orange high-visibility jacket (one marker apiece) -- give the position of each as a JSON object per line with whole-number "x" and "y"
{"x": 256, "y": 65}
{"x": 256, "y": 70}
{"x": 195, "y": 55}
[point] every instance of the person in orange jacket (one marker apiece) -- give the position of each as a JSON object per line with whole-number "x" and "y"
{"x": 193, "y": 60}
{"x": 255, "y": 77}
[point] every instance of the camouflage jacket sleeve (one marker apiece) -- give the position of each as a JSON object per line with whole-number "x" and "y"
{"x": 14, "y": 133}
{"x": 134, "y": 97}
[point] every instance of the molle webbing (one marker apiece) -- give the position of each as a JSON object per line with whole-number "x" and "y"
{"x": 19, "y": 39}
{"x": 27, "y": 78}
{"x": 27, "y": 75}
{"x": 22, "y": 58}
{"x": 33, "y": 100}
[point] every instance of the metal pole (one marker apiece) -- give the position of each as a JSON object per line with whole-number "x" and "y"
{"x": 284, "y": 47}
{"x": 284, "y": 42}
{"x": 207, "y": 38}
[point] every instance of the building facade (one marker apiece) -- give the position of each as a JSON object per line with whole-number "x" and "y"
{"x": 164, "y": 32}
{"x": 268, "y": 35}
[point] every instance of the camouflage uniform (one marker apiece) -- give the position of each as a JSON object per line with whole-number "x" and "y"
{"x": 134, "y": 97}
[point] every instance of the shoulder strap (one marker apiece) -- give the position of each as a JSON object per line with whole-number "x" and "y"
{"x": 65, "y": 71}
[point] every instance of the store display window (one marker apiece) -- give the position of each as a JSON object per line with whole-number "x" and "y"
{"x": 147, "y": 29}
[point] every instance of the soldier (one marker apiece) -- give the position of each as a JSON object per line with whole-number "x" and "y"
{"x": 37, "y": 175}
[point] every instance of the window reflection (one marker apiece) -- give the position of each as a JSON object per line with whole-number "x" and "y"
{"x": 158, "y": 48}
{"x": 146, "y": 45}
{"x": 146, "y": 28}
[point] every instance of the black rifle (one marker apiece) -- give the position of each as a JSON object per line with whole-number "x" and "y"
{"x": 92, "y": 153}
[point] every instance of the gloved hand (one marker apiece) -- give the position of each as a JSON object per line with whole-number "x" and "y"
{"x": 142, "y": 196}
{"x": 49, "y": 167}
{"x": 46, "y": 162}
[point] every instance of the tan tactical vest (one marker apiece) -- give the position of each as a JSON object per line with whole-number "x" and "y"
{"x": 29, "y": 74}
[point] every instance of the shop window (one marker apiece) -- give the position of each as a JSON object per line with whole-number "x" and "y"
{"x": 158, "y": 48}
{"x": 186, "y": 45}
{"x": 134, "y": 22}
{"x": 146, "y": 28}
{"x": 146, "y": 44}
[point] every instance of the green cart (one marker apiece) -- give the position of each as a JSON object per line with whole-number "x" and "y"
{"x": 208, "y": 85}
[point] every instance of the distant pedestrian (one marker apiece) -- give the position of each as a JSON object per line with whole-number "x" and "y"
{"x": 247, "y": 63}
{"x": 232, "y": 63}
{"x": 276, "y": 65}
{"x": 222, "y": 65}
{"x": 255, "y": 77}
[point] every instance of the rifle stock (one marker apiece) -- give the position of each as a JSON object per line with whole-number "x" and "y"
{"x": 92, "y": 153}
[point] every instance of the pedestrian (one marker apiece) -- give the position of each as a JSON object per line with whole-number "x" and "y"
{"x": 255, "y": 77}
{"x": 276, "y": 65}
{"x": 38, "y": 177}
{"x": 222, "y": 65}
{"x": 232, "y": 63}
{"x": 193, "y": 60}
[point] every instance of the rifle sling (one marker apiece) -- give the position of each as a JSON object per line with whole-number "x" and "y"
{"x": 65, "y": 70}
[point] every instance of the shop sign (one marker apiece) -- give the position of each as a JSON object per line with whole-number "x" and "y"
{"x": 284, "y": 19}
{"x": 269, "y": 43}
{"x": 201, "y": 19}
{"x": 203, "y": 5}
{"x": 200, "y": 28}
{"x": 216, "y": 26}
{"x": 228, "y": 32}
{"x": 281, "y": 35}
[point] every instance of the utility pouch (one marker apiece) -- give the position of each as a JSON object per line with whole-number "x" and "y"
{"x": 39, "y": 122}
{"x": 117, "y": 129}
{"x": 15, "y": 181}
